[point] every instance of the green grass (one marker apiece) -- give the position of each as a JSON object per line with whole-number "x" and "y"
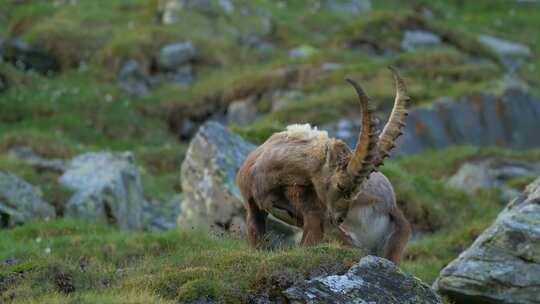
{"x": 82, "y": 109}
{"x": 173, "y": 266}
{"x": 186, "y": 265}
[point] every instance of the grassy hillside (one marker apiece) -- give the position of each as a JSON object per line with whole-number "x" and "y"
{"x": 81, "y": 108}
{"x": 68, "y": 261}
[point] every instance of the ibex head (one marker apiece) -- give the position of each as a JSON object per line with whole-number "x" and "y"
{"x": 346, "y": 170}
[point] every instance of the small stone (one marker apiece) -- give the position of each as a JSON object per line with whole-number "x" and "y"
{"x": 413, "y": 40}
{"x": 505, "y": 47}
{"x": 133, "y": 80}
{"x": 172, "y": 56}
{"x": 348, "y": 7}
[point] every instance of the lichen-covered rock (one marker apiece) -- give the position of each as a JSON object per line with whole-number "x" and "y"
{"x": 20, "y": 202}
{"x": 503, "y": 264}
{"x": 211, "y": 197}
{"x": 107, "y": 187}
{"x": 508, "y": 120}
{"x": 372, "y": 280}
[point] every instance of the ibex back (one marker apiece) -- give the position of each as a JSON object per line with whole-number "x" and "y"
{"x": 307, "y": 179}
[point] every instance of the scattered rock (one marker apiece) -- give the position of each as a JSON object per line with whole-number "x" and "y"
{"x": 503, "y": 264}
{"x": 349, "y": 7}
{"x": 133, "y": 80}
{"x": 509, "y": 120}
{"x": 161, "y": 216}
{"x": 242, "y": 112}
{"x": 331, "y": 66}
{"x": 211, "y": 197}
{"x": 27, "y": 155}
{"x": 26, "y": 57}
{"x": 175, "y": 55}
{"x": 171, "y": 8}
{"x": 20, "y": 202}
{"x": 372, "y": 280}
{"x": 182, "y": 75}
{"x": 493, "y": 173}
{"x": 107, "y": 187}
{"x": 511, "y": 53}
{"x": 416, "y": 39}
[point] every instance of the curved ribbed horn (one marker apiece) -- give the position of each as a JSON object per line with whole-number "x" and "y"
{"x": 392, "y": 129}
{"x": 361, "y": 162}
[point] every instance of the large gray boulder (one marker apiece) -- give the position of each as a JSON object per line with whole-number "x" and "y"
{"x": 20, "y": 202}
{"x": 211, "y": 197}
{"x": 509, "y": 120}
{"x": 107, "y": 187}
{"x": 503, "y": 264}
{"x": 372, "y": 280}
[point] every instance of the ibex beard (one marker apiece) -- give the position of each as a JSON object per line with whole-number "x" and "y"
{"x": 310, "y": 180}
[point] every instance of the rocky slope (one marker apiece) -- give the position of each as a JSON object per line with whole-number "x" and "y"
{"x": 503, "y": 264}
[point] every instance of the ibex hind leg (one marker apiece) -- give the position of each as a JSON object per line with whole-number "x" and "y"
{"x": 256, "y": 223}
{"x": 395, "y": 246}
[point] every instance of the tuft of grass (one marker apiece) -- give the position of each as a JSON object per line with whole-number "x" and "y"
{"x": 174, "y": 266}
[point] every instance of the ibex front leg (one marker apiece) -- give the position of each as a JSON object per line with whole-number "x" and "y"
{"x": 304, "y": 201}
{"x": 256, "y": 223}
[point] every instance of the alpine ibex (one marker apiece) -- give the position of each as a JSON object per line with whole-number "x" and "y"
{"x": 307, "y": 179}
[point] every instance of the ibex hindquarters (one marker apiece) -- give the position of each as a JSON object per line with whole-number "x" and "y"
{"x": 307, "y": 179}
{"x": 376, "y": 224}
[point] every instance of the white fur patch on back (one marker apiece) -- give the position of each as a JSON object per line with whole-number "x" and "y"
{"x": 305, "y": 131}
